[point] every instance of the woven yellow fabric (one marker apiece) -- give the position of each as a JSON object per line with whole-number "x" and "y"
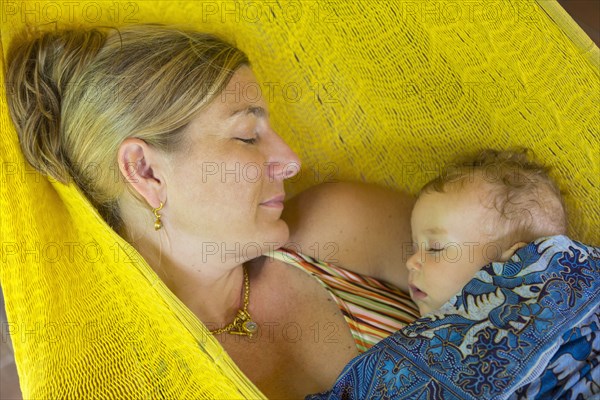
{"x": 383, "y": 91}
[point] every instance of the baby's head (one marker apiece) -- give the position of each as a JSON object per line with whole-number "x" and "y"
{"x": 479, "y": 210}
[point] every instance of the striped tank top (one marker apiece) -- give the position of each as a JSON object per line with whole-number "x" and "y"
{"x": 372, "y": 309}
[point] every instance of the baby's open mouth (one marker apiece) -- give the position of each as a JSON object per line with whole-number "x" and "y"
{"x": 416, "y": 293}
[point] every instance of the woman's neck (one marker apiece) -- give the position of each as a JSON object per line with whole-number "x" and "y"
{"x": 210, "y": 288}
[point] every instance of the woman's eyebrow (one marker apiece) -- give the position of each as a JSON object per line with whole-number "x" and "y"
{"x": 257, "y": 111}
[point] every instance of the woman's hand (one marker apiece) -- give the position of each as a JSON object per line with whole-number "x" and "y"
{"x": 362, "y": 227}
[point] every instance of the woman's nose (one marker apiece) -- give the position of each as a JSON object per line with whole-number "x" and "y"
{"x": 283, "y": 163}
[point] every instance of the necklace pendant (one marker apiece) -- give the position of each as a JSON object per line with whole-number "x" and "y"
{"x": 243, "y": 325}
{"x": 251, "y": 327}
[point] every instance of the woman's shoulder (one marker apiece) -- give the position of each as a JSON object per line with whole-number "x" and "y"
{"x": 364, "y": 228}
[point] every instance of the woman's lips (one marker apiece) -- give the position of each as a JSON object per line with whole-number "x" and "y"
{"x": 275, "y": 202}
{"x": 416, "y": 293}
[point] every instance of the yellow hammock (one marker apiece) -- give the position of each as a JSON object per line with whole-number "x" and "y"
{"x": 381, "y": 91}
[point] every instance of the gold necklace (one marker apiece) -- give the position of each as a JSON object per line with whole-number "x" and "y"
{"x": 242, "y": 323}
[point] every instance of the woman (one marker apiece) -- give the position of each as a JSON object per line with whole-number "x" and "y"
{"x": 179, "y": 116}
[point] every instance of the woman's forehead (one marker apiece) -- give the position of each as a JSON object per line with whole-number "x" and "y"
{"x": 242, "y": 93}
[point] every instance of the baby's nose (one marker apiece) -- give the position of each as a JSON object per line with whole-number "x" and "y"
{"x": 414, "y": 262}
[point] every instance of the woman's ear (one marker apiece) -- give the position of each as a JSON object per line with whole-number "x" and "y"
{"x": 510, "y": 252}
{"x": 138, "y": 163}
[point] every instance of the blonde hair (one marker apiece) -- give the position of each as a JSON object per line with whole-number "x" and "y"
{"x": 74, "y": 95}
{"x": 520, "y": 189}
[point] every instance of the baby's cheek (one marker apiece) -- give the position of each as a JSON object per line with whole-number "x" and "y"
{"x": 492, "y": 252}
{"x": 453, "y": 254}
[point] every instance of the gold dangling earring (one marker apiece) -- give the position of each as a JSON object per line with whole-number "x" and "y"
{"x": 157, "y": 223}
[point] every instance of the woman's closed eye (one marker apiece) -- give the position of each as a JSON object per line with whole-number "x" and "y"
{"x": 249, "y": 140}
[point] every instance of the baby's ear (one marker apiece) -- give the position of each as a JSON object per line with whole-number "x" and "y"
{"x": 509, "y": 252}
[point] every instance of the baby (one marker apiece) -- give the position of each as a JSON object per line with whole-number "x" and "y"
{"x": 542, "y": 309}
{"x": 478, "y": 211}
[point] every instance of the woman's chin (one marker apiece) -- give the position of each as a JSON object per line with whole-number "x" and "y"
{"x": 277, "y": 236}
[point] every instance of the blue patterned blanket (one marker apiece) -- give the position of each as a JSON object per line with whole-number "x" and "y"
{"x": 525, "y": 329}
